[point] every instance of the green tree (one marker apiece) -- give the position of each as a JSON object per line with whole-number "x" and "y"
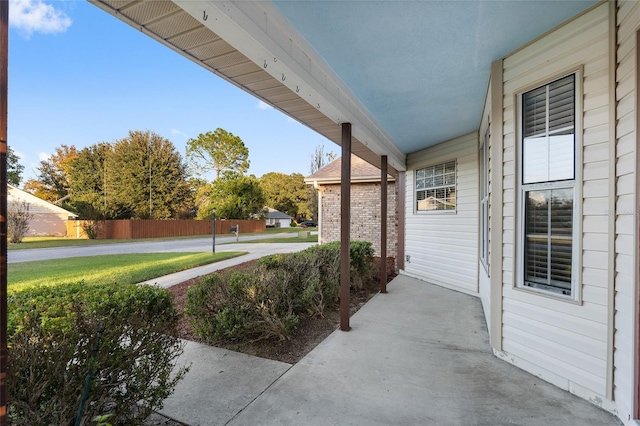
{"x": 87, "y": 182}
{"x": 218, "y": 151}
{"x": 14, "y": 168}
{"x": 52, "y": 183}
{"x": 147, "y": 179}
{"x": 236, "y": 196}
{"x": 286, "y": 193}
{"x": 202, "y": 192}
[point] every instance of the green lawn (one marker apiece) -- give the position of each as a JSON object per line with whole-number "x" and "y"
{"x": 49, "y": 242}
{"x": 282, "y": 230}
{"x": 119, "y": 268}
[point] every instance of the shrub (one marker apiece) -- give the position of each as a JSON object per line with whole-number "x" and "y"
{"x": 268, "y": 300}
{"x": 361, "y": 261}
{"x": 92, "y": 228}
{"x": 93, "y": 218}
{"x": 362, "y": 266}
{"x": 52, "y": 334}
{"x": 241, "y": 305}
{"x": 312, "y": 276}
{"x": 18, "y": 218}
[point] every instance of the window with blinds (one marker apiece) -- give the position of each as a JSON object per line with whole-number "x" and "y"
{"x": 548, "y": 186}
{"x": 548, "y": 130}
{"x": 436, "y": 187}
{"x": 548, "y": 239}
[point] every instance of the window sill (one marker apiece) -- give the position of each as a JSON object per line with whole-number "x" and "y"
{"x": 436, "y": 212}
{"x": 547, "y": 294}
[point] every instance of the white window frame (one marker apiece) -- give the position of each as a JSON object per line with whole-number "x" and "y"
{"x": 575, "y": 185}
{"x": 433, "y": 187}
{"x": 484, "y": 201}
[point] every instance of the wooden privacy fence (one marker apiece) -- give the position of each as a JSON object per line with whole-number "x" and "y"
{"x": 133, "y": 229}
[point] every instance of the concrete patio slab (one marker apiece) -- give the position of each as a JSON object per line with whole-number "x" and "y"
{"x": 417, "y": 355}
{"x": 219, "y": 384}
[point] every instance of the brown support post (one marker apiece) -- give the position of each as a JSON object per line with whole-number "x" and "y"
{"x": 345, "y": 221}
{"x": 400, "y": 208}
{"x": 383, "y": 224}
{"x": 4, "y": 79}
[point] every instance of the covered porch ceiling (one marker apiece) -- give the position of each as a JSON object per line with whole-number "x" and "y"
{"x": 406, "y": 74}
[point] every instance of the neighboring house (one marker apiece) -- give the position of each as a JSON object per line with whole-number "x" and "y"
{"x": 48, "y": 219}
{"x": 365, "y": 204}
{"x": 277, "y": 219}
{"x": 511, "y": 128}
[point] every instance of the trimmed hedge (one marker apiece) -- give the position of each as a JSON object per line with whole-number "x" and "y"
{"x": 268, "y": 300}
{"x": 53, "y": 332}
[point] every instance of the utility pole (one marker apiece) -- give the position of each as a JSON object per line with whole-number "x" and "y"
{"x": 149, "y": 154}
{"x": 213, "y": 230}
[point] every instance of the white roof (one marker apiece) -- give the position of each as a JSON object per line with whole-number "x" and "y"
{"x": 275, "y": 214}
{"x": 36, "y": 205}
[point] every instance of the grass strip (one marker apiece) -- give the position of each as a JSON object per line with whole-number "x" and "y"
{"x": 113, "y": 268}
{"x": 51, "y": 242}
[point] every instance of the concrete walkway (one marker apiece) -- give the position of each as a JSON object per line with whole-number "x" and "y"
{"x": 416, "y": 356}
{"x": 255, "y": 251}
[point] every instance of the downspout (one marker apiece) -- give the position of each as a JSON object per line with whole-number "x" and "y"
{"x": 613, "y": 42}
{"x": 383, "y": 224}
{"x": 316, "y": 186}
{"x": 401, "y": 200}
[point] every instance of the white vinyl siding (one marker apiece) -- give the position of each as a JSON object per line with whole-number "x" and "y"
{"x": 557, "y": 339}
{"x": 626, "y": 313}
{"x": 442, "y": 248}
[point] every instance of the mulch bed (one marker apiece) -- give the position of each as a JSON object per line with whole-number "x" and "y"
{"x": 309, "y": 333}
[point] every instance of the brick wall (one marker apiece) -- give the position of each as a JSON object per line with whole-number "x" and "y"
{"x": 365, "y": 215}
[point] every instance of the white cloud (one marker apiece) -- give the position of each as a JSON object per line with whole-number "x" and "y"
{"x": 43, "y": 156}
{"x": 176, "y": 132}
{"x": 263, "y": 106}
{"x": 35, "y": 16}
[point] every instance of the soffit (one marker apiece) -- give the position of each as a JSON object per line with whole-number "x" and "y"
{"x": 421, "y": 68}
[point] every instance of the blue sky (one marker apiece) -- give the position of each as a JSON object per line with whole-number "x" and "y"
{"x": 78, "y": 76}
